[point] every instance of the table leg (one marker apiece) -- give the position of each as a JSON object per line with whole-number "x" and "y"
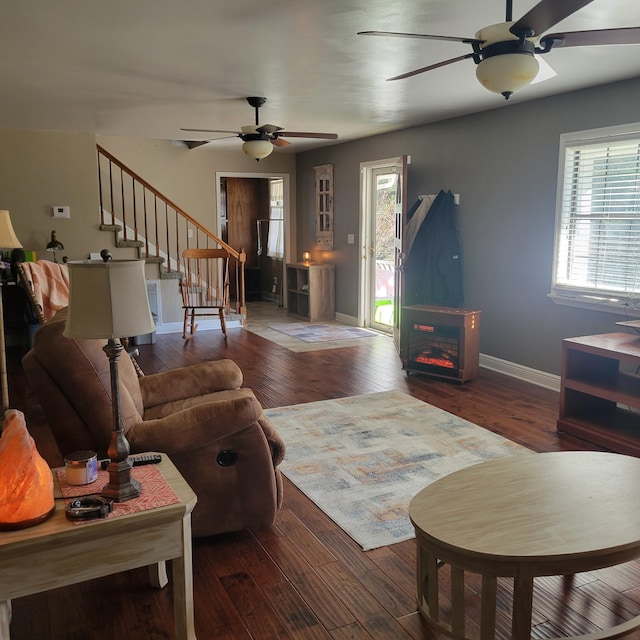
{"x": 522, "y": 604}
{"x": 158, "y": 575}
{"x": 433, "y": 603}
{"x": 5, "y": 619}
{"x": 488, "y": 607}
{"x": 421, "y": 575}
{"x": 183, "y": 587}
{"x": 457, "y": 601}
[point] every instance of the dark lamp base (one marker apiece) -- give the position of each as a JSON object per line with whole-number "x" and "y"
{"x": 121, "y": 486}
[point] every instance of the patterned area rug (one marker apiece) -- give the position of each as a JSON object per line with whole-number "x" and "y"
{"x": 321, "y": 332}
{"x": 341, "y": 336}
{"x": 361, "y": 459}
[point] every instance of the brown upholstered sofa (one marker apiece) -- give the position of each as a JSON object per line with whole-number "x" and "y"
{"x": 213, "y": 430}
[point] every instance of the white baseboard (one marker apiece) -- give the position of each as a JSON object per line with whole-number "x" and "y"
{"x": 350, "y": 320}
{"x": 539, "y": 378}
{"x": 203, "y": 325}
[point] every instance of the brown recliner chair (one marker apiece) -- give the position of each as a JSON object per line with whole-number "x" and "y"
{"x": 214, "y": 431}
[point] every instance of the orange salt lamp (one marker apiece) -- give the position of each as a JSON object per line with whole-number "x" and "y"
{"x": 26, "y": 481}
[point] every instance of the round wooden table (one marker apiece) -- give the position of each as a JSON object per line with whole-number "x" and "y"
{"x": 524, "y": 516}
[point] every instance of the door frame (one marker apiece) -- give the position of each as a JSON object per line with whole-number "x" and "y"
{"x": 290, "y": 246}
{"x": 367, "y": 170}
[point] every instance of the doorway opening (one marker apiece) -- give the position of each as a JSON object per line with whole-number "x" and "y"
{"x": 254, "y": 214}
{"x": 381, "y": 193}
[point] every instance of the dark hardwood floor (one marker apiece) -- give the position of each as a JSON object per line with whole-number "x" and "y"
{"x": 305, "y": 578}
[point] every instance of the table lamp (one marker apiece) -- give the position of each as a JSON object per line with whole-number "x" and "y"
{"x": 26, "y": 483}
{"x": 109, "y": 300}
{"x": 8, "y": 240}
{"x": 54, "y": 245}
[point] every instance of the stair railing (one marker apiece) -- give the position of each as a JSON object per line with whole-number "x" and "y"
{"x": 160, "y": 229}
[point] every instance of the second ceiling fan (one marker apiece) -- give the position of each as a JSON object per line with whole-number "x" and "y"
{"x": 505, "y": 53}
{"x": 259, "y": 140}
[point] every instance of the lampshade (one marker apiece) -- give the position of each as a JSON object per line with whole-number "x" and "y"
{"x": 8, "y": 238}
{"x": 108, "y": 300}
{"x": 257, "y": 149}
{"x": 507, "y": 73}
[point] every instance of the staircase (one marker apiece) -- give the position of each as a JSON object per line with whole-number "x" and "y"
{"x": 144, "y": 219}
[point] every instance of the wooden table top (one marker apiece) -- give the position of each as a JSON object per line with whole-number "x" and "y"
{"x": 58, "y": 527}
{"x": 561, "y": 504}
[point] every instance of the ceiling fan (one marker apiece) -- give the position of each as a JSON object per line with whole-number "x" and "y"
{"x": 505, "y": 53}
{"x": 258, "y": 139}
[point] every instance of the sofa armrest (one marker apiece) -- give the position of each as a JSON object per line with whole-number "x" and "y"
{"x": 186, "y": 382}
{"x": 194, "y": 428}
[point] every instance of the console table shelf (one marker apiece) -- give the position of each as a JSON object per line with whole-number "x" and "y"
{"x": 311, "y": 291}
{"x": 600, "y": 391}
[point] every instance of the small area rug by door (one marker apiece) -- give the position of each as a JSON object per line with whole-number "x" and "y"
{"x": 361, "y": 459}
{"x": 321, "y": 332}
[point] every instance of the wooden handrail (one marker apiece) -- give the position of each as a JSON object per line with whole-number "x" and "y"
{"x": 234, "y": 252}
{"x": 176, "y": 225}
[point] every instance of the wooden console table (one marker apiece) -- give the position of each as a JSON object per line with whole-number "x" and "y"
{"x": 311, "y": 291}
{"x": 58, "y": 552}
{"x": 600, "y": 390}
{"x": 524, "y": 516}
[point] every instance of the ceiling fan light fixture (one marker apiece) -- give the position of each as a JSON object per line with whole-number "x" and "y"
{"x": 508, "y": 61}
{"x": 257, "y": 149}
{"x": 507, "y": 73}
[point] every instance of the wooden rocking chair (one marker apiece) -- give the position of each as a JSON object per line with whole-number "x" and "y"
{"x": 205, "y": 287}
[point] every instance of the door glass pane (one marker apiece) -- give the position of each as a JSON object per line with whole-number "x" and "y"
{"x": 385, "y": 194}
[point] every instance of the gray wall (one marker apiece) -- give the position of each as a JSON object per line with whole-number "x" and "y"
{"x": 504, "y": 165}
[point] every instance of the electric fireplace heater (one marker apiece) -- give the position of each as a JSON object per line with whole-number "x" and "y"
{"x": 440, "y": 341}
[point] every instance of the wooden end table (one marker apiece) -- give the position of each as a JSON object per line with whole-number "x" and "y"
{"x": 524, "y": 516}
{"x": 58, "y": 552}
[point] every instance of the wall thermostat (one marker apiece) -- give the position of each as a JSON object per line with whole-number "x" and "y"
{"x": 60, "y": 211}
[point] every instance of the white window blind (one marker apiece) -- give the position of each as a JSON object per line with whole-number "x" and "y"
{"x": 597, "y": 253}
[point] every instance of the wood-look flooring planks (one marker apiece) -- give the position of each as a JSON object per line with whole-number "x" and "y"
{"x": 304, "y": 578}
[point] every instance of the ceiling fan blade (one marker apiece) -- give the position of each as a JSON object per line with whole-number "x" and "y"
{"x": 301, "y": 134}
{"x": 596, "y": 37}
{"x": 424, "y": 36}
{"x": 268, "y": 128}
{"x": 194, "y": 144}
{"x": 430, "y": 67}
{"x": 545, "y": 14}
{"x": 279, "y": 142}
{"x": 237, "y": 133}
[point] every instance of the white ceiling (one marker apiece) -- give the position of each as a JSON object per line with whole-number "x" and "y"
{"x": 146, "y": 68}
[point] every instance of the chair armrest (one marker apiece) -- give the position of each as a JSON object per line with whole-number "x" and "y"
{"x": 193, "y": 428}
{"x": 187, "y": 382}
{"x": 276, "y": 444}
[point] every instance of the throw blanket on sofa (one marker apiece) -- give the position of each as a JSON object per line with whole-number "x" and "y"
{"x": 50, "y": 285}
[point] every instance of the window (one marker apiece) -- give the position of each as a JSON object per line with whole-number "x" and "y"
{"x": 275, "y": 244}
{"x": 324, "y": 206}
{"x": 597, "y": 252}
